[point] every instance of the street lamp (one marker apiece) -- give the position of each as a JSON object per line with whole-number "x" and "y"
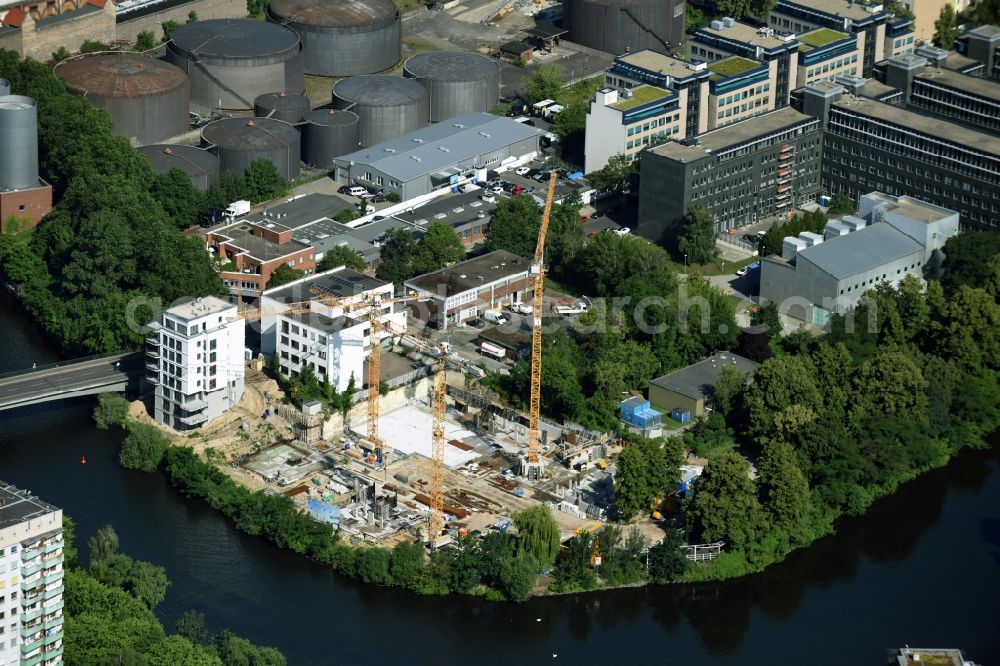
{"x": 685, "y": 264}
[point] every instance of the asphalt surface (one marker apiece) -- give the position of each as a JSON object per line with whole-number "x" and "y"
{"x": 47, "y": 381}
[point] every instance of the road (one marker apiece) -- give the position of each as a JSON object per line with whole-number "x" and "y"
{"x": 50, "y": 382}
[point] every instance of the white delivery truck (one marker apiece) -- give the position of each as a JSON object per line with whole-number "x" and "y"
{"x": 489, "y": 349}
{"x": 494, "y": 317}
{"x": 235, "y": 209}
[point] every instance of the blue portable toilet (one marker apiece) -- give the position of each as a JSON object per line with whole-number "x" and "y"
{"x": 682, "y": 415}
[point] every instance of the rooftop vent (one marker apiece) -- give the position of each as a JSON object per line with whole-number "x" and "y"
{"x": 443, "y": 149}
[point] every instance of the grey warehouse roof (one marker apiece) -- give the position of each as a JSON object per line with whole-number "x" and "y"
{"x": 17, "y": 506}
{"x": 335, "y": 284}
{"x": 471, "y": 273}
{"x": 696, "y": 381}
{"x": 861, "y": 251}
{"x": 443, "y": 145}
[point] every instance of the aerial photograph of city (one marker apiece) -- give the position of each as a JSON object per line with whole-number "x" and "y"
{"x": 499, "y": 332}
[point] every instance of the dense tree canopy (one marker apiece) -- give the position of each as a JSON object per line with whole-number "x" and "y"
{"x": 341, "y": 256}
{"x": 697, "y": 239}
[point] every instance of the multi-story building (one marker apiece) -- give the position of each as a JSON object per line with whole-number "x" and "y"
{"x": 323, "y": 322}
{"x": 819, "y": 275}
{"x": 194, "y": 358}
{"x": 779, "y": 52}
{"x": 870, "y": 145}
{"x": 469, "y": 288}
{"x": 741, "y": 173}
{"x": 628, "y": 120}
{"x": 250, "y": 252}
{"x": 867, "y": 21}
{"x": 738, "y": 88}
{"x": 927, "y": 11}
{"x": 688, "y": 80}
{"x": 899, "y": 37}
{"x": 826, "y": 54}
{"x": 31, "y": 580}
{"x": 983, "y": 45}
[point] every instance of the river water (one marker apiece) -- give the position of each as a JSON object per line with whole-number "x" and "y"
{"x": 921, "y": 568}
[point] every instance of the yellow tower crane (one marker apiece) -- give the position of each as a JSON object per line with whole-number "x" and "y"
{"x": 533, "y": 468}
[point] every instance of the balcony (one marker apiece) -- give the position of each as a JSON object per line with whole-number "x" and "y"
{"x": 27, "y": 647}
{"x": 53, "y": 544}
{"x": 30, "y": 568}
{"x": 152, "y": 367}
{"x": 53, "y": 637}
{"x": 153, "y": 379}
{"x": 153, "y": 352}
{"x": 153, "y": 340}
{"x": 30, "y": 614}
{"x": 52, "y": 605}
{"x": 54, "y": 556}
{"x": 193, "y": 419}
{"x": 30, "y": 631}
{"x": 53, "y": 592}
{"x": 53, "y": 621}
{"x": 195, "y": 405}
{"x": 53, "y": 577}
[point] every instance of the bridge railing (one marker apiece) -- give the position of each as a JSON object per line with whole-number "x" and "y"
{"x": 67, "y": 362}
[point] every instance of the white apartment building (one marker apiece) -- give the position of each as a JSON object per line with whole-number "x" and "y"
{"x": 323, "y": 322}
{"x": 195, "y": 358}
{"x": 628, "y": 120}
{"x": 31, "y": 580}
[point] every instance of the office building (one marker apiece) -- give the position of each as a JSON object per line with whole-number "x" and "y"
{"x": 928, "y": 11}
{"x": 323, "y": 322}
{"x": 778, "y": 52}
{"x": 826, "y": 54}
{"x": 899, "y": 37}
{"x": 628, "y": 120}
{"x": 819, "y": 275}
{"x": 689, "y": 80}
{"x": 866, "y": 21}
{"x": 469, "y": 288}
{"x": 983, "y": 45}
{"x": 194, "y": 358}
{"x": 31, "y": 580}
{"x": 741, "y": 173}
{"x": 869, "y": 145}
{"x": 738, "y": 88}
{"x": 690, "y": 388}
{"x": 250, "y": 252}
{"x": 440, "y": 156}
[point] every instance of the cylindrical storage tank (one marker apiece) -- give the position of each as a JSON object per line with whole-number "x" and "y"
{"x": 232, "y": 61}
{"x": 240, "y": 141}
{"x": 456, "y": 82}
{"x": 343, "y": 38}
{"x": 148, "y": 99}
{"x": 618, "y": 26}
{"x": 19, "y": 138}
{"x": 387, "y": 106}
{"x": 281, "y": 106}
{"x": 4, "y": 87}
{"x": 328, "y": 133}
{"x": 201, "y": 166}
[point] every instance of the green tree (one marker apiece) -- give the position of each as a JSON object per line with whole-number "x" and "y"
{"x": 347, "y": 215}
{"x": 341, "y": 255}
{"x": 70, "y": 552}
{"x": 767, "y": 315}
{"x": 697, "y": 240}
{"x": 946, "y": 27}
{"x": 517, "y": 578}
{"x": 59, "y": 55}
{"x": 237, "y": 651}
{"x": 103, "y": 545}
{"x": 112, "y": 409}
{"x": 148, "y": 583}
{"x": 841, "y": 204}
{"x": 181, "y": 201}
{"x": 538, "y": 535}
{"x": 283, "y": 275}
{"x": 545, "y": 83}
{"x": 178, "y": 651}
{"x": 632, "y": 490}
{"x": 93, "y": 46}
{"x": 571, "y": 122}
{"x": 168, "y": 29}
{"x": 667, "y": 562}
{"x": 514, "y": 226}
{"x": 192, "y": 17}
{"x": 727, "y": 389}
{"x": 256, "y": 8}
{"x": 778, "y": 383}
{"x": 397, "y": 255}
{"x": 373, "y": 566}
{"x": 191, "y": 625}
{"x": 574, "y": 570}
{"x": 735, "y": 8}
{"x": 694, "y": 18}
{"x": 439, "y": 247}
{"x": 145, "y": 41}
{"x": 143, "y": 447}
{"x": 967, "y": 259}
{"x": 725, "y": 506}
{"x": 986, "y": 12}
{"x": 619, "y": 173}
{"x": 264, "y": 182}
{"x": 784, "y": 491}
{"x": 406, "y": 565}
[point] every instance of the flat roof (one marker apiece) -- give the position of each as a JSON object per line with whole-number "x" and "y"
{"x": 453, "y": 210}
{"x": 985, "y": 31}
{"x": 698, "y": 379}
{"x": 333, "y": 283}
{"x": 742, "y": 32}
{"x": 643, "y": 94}
{"x": 18, "y": 506}
{"x": 960, "y": 63}
{"x": 842, "y": 8}
{"x": 732, "y": 66}
{"x": 301, "y": 211}
{"x": 657, "y": 62}
{"x": 240, "y": 235}
{"x": 322, "y": 322}
{"x": 471, "y": 274}
{"x": 970, "y": 84}
{"x": 200, "y": 307}
{"x": 861, "y": 251}
{"x": 914, "y": 209}
{"x": 440, "y": 146}
{"x": 821, "y": 37}
{"x": 731, "y": 135}
{"x": 877, "y": 90}
{"x": 913, "y": 121}
{"x": 546, "y": 31}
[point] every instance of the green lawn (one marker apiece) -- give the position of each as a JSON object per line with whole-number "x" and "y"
{"x": 732, "y": 66}
{"x": 821, "y": 37}
{"x": 640, "y": 95}
{"x": 581, "y": 91}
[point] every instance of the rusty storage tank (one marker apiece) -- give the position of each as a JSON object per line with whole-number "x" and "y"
{"x": 328, "y": 133}
{"x": 19, "y": 138}
{"x": 240, "y": 141}
{"x": 148, "y": 99}
{"x": 456, "y": 82}
{"x": 618, "y": 26}
{"x": 387, "y": 106}
{"x": 4, "y": 87}
{"x": 281, "y": 106}
{"x": 343, "y": 38}
{"x": 232, "y": 61}
{"x": 201, "y": 166}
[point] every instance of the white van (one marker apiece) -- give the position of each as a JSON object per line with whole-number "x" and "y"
{"x": 495, "y": 351}
{"x": 494, "y": 317}
{"x": 357, "y": 191}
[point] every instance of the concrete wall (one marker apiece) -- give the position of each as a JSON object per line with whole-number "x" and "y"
{"x": 71, "y": 31}
{"x": 206, "y": 9}
{"x": 666, "y": 401}
{"x": 357, "y": 417}
{"x": 37, "y": 203}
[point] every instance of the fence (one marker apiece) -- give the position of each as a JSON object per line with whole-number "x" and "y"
{"x": 396, "y": 382}
{"x": 738, "y": 242}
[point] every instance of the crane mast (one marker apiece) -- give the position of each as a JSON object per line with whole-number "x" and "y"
{"x": 438, "y": 391}
{"x": 533, "y": 468}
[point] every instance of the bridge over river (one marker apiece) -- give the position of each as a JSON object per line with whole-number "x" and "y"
{"x": 69, "y": 379}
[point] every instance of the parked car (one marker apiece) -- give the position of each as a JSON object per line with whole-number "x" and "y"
{"x": 521, "y": 171}
{"x": 379, "y": 198}
{"x": 344, "y": 189}
{"x": 521, "y": 308}
{"x": 623, "y": 231}
{"x": 751, "y": 238}
{"x": 475, "y": 323}
{"x": 742, "y": 271}
{"x": 517, "y": 190}
{"x": 597, "y": 215}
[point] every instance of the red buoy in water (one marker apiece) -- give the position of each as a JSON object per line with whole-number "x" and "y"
{"x": 83, "y": 460}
